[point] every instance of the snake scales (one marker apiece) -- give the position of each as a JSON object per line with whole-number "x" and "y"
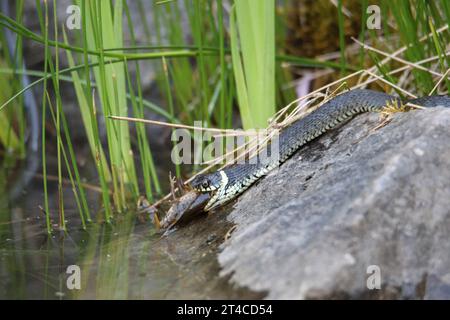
{"x": 230, "y": 182}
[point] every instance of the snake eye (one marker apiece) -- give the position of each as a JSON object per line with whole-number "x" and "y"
{"x": 205, "y": 184}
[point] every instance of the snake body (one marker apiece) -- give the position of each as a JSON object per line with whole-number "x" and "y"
{"x": 230, "y": 182}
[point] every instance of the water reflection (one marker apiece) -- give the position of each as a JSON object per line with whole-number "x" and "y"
{"x": 124, "y": 260}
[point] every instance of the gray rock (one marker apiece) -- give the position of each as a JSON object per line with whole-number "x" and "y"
{"x": 358, "y": 196}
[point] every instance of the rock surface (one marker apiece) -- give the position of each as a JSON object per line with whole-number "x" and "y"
{"x": 356, "y": 197}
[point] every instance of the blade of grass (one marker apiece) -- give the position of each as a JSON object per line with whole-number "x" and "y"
{"x": 86, "y": 114}
{"x": 44, "y": 161}
{"x": 241, "y": 87}
{"x": 170, "y": 102}
{"x": 78, "y": 201}
{"x": 255, "y": 21}
{"x": 101, "y": 166}
{"x": 223, "y": 82}
{"x": 203, "y": 91}
{"x": 62, "y": 220}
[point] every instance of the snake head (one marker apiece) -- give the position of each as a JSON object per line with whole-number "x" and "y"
{"x": 217, "y": 183}
{"x": 207, "y": 182}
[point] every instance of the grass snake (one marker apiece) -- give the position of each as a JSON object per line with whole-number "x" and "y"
{"x": 228, "y": 183}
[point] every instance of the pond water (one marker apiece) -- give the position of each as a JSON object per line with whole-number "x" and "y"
{"x": 126, "y": 259}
